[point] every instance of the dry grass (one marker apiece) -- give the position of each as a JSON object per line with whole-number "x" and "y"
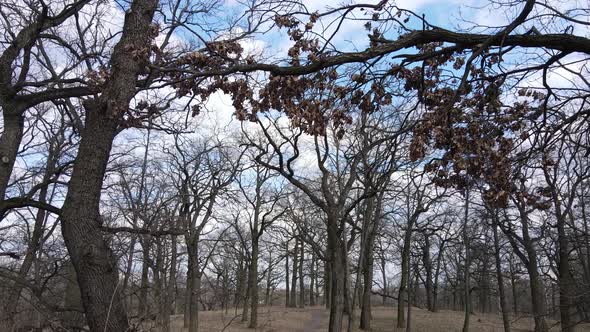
{"x": 270, "y": 319}
{"x": 446, "y": 320}
{"x": 315, "y": 319}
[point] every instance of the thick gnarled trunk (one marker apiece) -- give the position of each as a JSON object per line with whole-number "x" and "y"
{"x": 95, "y": 264}
{"x": 93, "y": 259}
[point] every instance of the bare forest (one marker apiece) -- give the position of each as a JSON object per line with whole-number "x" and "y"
{"x": 302, "y": 165}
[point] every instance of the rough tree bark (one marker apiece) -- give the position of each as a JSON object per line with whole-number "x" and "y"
{"x": 439, "y": 260}
{"x": 370, "y": 220}
{"x": 93, "y": 259}
{"x": 193, "y": 285}
{"x": 337, "y": 251}
{"x": 427, "y": 261}
{"x": 9, "y": 143}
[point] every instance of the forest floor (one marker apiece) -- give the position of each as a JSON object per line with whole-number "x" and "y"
{"x": 315, "y": 319}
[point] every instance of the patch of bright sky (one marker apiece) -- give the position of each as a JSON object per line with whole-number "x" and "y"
{"x": 352, "y": 36}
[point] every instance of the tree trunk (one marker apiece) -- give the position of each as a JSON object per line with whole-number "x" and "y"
{"x": 535, "y": 282}
{"x": 428, "y": 269}
{"x": 565, "y": 279}
{"x": 317, "y": 284}
{"x": 241, "y": 282}
{"x": 370, "y": 220}
{"x": 226, "y": 289}
{"x": 159, "y": 289}
{"x": 287, "y": 280}
{"x": 467, "y": 263}
{"x": 327, "y": 281}
{"x": 454, "y": 297}
{"x": 409, "y": 294}
{"x": 193, "y": 285}
{"x": 246, "y": 298}
{"x": 253, "y": 284}
{"x": 93, "y": 259}
{"x": 144, "y": 283}
{"x": 73, "y": 319}
{"x": 312, "y": 280}
{"x": 499, "y": 276}
{"x": 538, "y": 295}
{"x": 9, "y": 143}
{"x": 128, "y": 269}
{"x": 95, "y": 264}
{"x": 513, "y": 287}
{"x": 405, "y": 271}
{"x": 337, "y": 251}
{"x": 484, "y": 285}
{"x": 135, "y": 217}
{"x": 267, "y": 300}
{"x": 436, "y": 277}
{"x": 171, "y": 289}
{"x": 553, "y": 299}
{"x": 301, "y": 280}
{"x": 348, "y": 292}
{"x": 293, "y": 296}
{"x": 531, "y": 262}
{"x": 365, "y": 321}
{"x": 384, "y": 277}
